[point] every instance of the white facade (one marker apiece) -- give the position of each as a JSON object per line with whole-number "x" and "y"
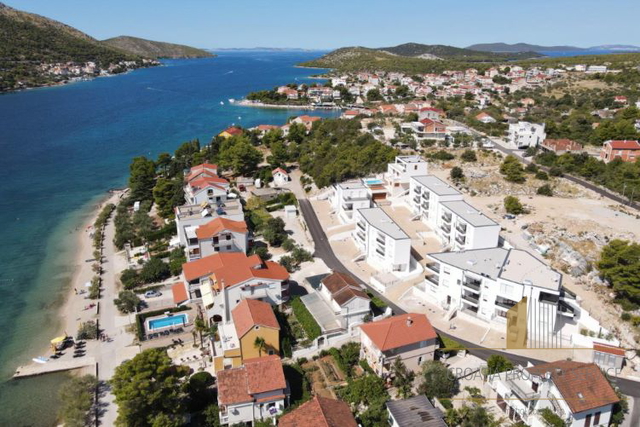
{"x": 400, "y": 172}
{"x": 192, "y": 216}
{"x": 280, "y": 178}
{"x": 382, "y": 242}
{"x": 525, "y": 134}
{"x": 224, "y": 241}
{"x": 486, "y": 283}
{"x": 350, "y": 311}
{"x": 347, "y": 198}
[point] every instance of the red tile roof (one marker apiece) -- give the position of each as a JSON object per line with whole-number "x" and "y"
{"x": 319, "y": 412}
{"x": 232, "y": 268}
{"x": 399, "y": 331}
{"x": 179, "y": 292}
{"x": 624, "y": 145}
{"x": 214, "y": 227}
{"x": 343, "y": 288}
{"x": 250, "y": 313}
{"x": 273, "y": 172}
{"x": 259, "y": 375}
{"x": 609, "y": 349}
{"x": 582, "y": 385}
{"x": 203, "y": 182}
{"x": 233, "y": 130}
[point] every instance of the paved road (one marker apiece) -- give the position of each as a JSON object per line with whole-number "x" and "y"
{"x": 599, "y": 190}
{"x": 323, "y": 251}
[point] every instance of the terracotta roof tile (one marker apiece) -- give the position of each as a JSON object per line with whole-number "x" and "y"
{"x": 399, "y": 331}
{"x": 250, "y": 313}
{"x": 624, "y": 145}
{"x": 319, "y": 412}
{"x": 609, "y": 349}
{"x": 259, "y": 375}
{"x": 343, "y": 288}
{"x": 232, "y": 268}
{"x": 582, "y": 385}
{"x": 179, "y": 292}
{"x": 214, "y": 227}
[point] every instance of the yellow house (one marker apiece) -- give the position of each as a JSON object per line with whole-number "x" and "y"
{"x": 230, "y": 131}
{"x": 254, "y": 332}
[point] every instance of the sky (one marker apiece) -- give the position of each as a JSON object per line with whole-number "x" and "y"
{"x": 331, "y": 24}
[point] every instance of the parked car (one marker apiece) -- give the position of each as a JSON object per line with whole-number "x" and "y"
{"x": 152, "y": 294}
{"x": 509, "y": 216}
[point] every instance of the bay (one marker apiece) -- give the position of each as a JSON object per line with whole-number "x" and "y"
{"x": 62, "y": 148}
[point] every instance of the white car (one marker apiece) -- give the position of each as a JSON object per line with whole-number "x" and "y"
{"x": 152, "y": 294}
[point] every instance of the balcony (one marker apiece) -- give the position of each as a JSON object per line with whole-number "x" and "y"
{"x": 446, "y": 218}
{"x": 416, "y": 200}
{"x": 361, "y": 226}
{"x": 426, "y": 195}
{"x": 446, "y": 228}
{"x": 380, "y": 241}
{"x": 434, "y": 266}
{"x": 505, "y": 303}
{"x": 461, "y": 239}
{"x": 425, "y": 206}
{"x": 347, "y": 207}
{"x": 549, "y": 298}
{"x": 360, "y": 235}
{"x": 432, "y": 279}
{"x": 472, "y": 284}
{"x": 417, "y": 190}
{"x": 380, "y": 252}
{"x": 462, "y": 228}
{"x": 471, "y": 298}
{"x": 566, "y": 310}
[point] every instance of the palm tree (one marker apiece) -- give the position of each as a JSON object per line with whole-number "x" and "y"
{"x": 260, "y": 344}
{"x": 201, "y": 327}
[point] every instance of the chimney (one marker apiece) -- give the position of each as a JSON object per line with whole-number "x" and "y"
{"x": 409, "y": 321}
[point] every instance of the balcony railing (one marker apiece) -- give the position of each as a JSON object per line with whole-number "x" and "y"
{"x": 446, "y": 218}
{"x": 461, "y": 239}
{"x": 505, "y": 303}
{"x": 380, "y": 240}
{"x": 360, "y": 235}
{"x": 470, "y": 298}
{"x": 432, "y": 279}
{"x": 446, "y": 228}
{"x": 426, "y": 195}
{"x": 361, "y": 226}
{"x": 380, "y": 252}
{"x": 416, "y": 200}
{"x": 434, "y": 266}
{"x": 472, "y": 284}
{"x": 462, "y": 228}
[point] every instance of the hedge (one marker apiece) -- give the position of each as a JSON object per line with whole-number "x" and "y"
{"x": 141, "y": 317}
{"x": 305, "y": 319}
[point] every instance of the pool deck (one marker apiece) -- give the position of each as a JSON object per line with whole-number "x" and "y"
{"x": 34, "y": 369}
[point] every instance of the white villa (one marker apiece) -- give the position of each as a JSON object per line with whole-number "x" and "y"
{"x": 381, "y": 241}
{"x": 348, "y": 197}
{"x": 578, "y": 393}
{"x": 525, "y": 134}
{"x": 218, "y": 235}
{"x": 400, "y": 172}
{"x": 190, "y": 217}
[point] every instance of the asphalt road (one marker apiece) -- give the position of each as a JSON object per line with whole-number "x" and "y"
{"x": 323, "y": 251}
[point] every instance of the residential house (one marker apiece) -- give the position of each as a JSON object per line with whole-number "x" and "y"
{"x": 382, "y": 243}
{"x": 525, "y": 135}
{"x": 431, "y": 114}
{"x": 402, "y": 169}
{"x": 620, "y": 99}
{"x": 307, "y": 121}
{"x": 190, "y": 217}
{"x": 627, "y": 151}
{"x": 579, "y": 393}
{"x": 206, "y": 188}
{"x": 597, "y": 69}
{"x": 222, "y": 280}
{"x": 338, "y": 304}
{"x": 561, "y": 146}
{"x": 256, "y": 391}
{"x": 231, "y": 131}
{"x": 280, "y": 177}
{"x": 217, "y": 235}
{"x": 415, "y": 411}
{"x": 409, "y": 337}
{"x": 348, "y": 197}
{"x": 201, "y": 170}
{"x": 485, "y": 118}
{"x": 608, "y": 357}
{"x": 487, "y": 283}
{"x": 319, "y": 412}
{"x": 251, "y": 320}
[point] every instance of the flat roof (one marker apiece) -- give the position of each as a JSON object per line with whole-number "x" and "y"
{"x": 410, "y": 159}
{"x": 379, "y": 220}
{"x": 352, "y": 185}
{"x": 436, "y": 185}
{"x": 484, "y": 262}
{"x": 416, "y": 411}
{"x": 229, "y": 207}
{"x": 522, "y": 267}
{"x": 468, "y": 213}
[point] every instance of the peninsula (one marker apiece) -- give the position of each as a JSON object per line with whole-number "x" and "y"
{"x": 154, "y": 49}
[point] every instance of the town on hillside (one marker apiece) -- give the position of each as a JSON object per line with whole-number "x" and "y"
{"x": 320, "y": 272}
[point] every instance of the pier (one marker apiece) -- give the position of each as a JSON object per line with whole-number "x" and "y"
{"x": 35, "y": 369}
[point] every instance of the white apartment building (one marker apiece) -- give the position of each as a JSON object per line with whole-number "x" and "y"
{"x": 383, "y": 243}
{"x": 402, "y": 169}
{"x": 348, "y": 197}
{"x": 458, "y": 224}
{"x": 218, "y": 235}
{"x": 578, "y": 393}
{"x": 190, "y": 217}
{"x": 486, "y": 283}
{"x": 525, "y": 134}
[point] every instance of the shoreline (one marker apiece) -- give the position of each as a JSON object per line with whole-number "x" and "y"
{"x": 73, "y": 310}
{"x": 246, "y": 103}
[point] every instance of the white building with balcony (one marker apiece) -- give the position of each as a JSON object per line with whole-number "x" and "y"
{"x": 218, "y": 235}
{"x": 190, "y": 217}
{"x": 486, "y": 283}
{"x": 381, "y": 241}
{"x": 348, "y": 197}
{"x": 401, "y": 170}
{"x": 579, "y": 393}
{"x": 525, "y": 134}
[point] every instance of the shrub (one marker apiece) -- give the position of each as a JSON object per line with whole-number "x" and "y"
{"x": 87, "y": 331}
{"x": 442, "y": 155}
{"x": 512, "y": 170}
{"x": 512, "y": 205}
{"x": 452, "y": 346}
{"x": 497, "y": 363}
{"x": 288, "y": 245}
{"x": 531, "y": 168}
{"x": 555, "y": 171}
{"x": 456, "y": 174}
{"x": 94, "y": 289}
{"x": 306, "y": 320}
{"x": 626, "y": 316}
{"x": 545, "y": 190}
{"x": 130, "y": 278}
{"x": 468, "y": 156}
{"x": 542, "y": 175}
{"x": 262, "y": 252}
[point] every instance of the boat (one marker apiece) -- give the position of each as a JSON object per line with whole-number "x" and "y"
{"x": 221, "y": 103}
{"x": 231, "y": 100}
{"x": 40, "y": 359}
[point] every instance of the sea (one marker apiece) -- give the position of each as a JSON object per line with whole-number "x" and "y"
{"x": 565, "y": 53}
{"x": 62, "y": 148}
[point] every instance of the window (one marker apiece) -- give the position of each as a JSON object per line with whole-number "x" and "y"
{"x": 587, "y": 421}
{"x": 596, "y": 418}
{"x": 420, "y": 360}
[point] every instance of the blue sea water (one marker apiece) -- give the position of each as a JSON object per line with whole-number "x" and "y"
{"x": 62, "y": 148}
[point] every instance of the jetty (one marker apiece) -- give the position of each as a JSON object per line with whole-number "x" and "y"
{"x": 35, "y": 369}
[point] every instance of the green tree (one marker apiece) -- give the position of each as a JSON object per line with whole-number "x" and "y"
{"x": 545, "y": 190}
{"x": 130, "y": 278}
{"x": 297, "y": 133}
{"x": 154, "y": 270}
{"x": 497, "y": 363}
{"x": 127, "y": 302}
{"x": 201, "y": 328}
{"x": 274, "y": 231}
{"x": 402, "y": 378}
{"x": 260, "y": 344}
{"x": 211, "y": 416}
{"x": 146, "y": 386}
{"x": 167, "y": 194}
{"x": 76, "y": 400}
{"x": 87, "y": 330}
{"x": 513, "y": 206}
{"x": 437, "y": 380}
{"x": 176, "y": 259}
{"x": 619, "y": 264}
{"x": 469, "y": 156}
{"x": 272, "y": 136}
{"x": 279, "y": 155}
{"x": 374, "y": 95}
{"x": 456, "y": 174}
{"x": 166, "y": 420}
{"x": 511, "y": 168}
{"x": 142, "y": 174}
{"x": 238, "y": 154}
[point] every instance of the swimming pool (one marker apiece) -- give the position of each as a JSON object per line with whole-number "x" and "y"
{"x": 166, "y": 322}
{"x": 373, "y": 181}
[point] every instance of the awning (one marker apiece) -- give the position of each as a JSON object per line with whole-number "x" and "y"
{"x": 207, "y": 295}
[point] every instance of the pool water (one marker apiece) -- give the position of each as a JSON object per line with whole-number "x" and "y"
{"x": 374, "y": 181}
{"x": 165, "y": 322}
